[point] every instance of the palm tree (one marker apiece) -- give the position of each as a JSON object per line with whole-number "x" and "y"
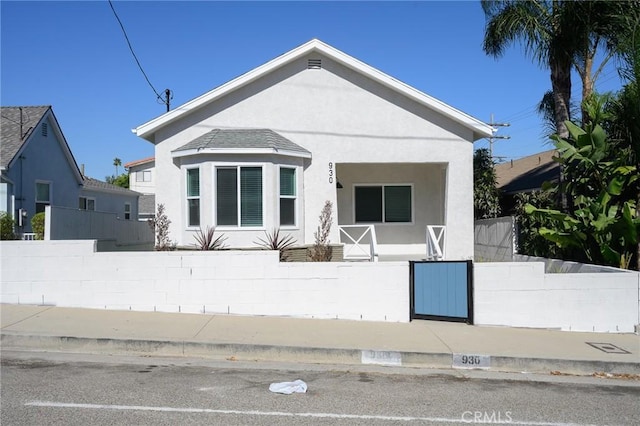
{"x": 598, "y": 25}
{"x": 117, "y": 162}
{"x": 557, "y": 34}
{"x": 538, "y": 25}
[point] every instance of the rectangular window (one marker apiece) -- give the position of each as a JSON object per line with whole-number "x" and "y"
{"x": 143, "y": 176}
{"x": 287, "y": 196}
{"x": 383, "y": 204}
{"x": 127, "y": 211}
{"x": 193, "y": 197}
{"x": 43, "y": 195}
{"x": 239, "y": 196}
{"x": 86, "y": 203}
{"x": 397, "y": 203}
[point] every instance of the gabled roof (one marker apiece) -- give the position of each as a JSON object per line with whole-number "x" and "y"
{"x": 527, "y": 173}
{"x": 479, "y": 128}
{"x": 139, "y": 162}
{"x": 262, "y": 141}
{"x": 92, "y": 184}
{"x": 17, "y": 126}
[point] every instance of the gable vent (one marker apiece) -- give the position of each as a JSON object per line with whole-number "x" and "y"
{"x": 314, "y": 64}
{"x": 45, "y": 129}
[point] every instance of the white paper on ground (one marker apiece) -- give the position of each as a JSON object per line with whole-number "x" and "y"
{"x": 288, "y": 388}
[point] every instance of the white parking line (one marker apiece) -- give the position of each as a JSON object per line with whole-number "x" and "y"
{"x": 280, "y": 413}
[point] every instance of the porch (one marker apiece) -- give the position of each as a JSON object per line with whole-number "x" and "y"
{"x": 360, "y": 244}
{"x": 391, "y": 211}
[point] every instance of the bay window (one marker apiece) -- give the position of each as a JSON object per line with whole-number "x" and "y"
{"x": 239, "y": 196}
{"x": 193, "y": 197}
{"x": 287, "y": 196}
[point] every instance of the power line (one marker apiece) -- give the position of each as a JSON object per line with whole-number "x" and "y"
{"x": 491, "y": 138}
{"x": 168, "y": 94}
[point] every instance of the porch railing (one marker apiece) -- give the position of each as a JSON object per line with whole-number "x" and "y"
{"x": 356, "y": 245}
{"x": 436, "y": 242}
{"x": 27, "y": 236}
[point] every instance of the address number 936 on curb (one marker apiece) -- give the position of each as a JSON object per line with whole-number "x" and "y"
{"x": 471, "y": 361}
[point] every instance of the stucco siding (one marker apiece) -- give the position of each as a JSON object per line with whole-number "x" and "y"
{"x": 139, "y": 185}
{"x": 340, "y": 117}
{"x": 427, "y": 197}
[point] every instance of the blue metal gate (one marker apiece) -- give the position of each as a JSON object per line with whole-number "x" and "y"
{"x": 442, "y": 290}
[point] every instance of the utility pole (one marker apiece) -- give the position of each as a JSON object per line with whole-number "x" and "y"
{"x": 168, "y": 95}
{"x": 492, "y": 138}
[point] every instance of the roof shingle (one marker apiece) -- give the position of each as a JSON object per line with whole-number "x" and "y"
{"x": 15, "y": 126}
{"x": 98, "y": 185}
{"x": 242, "y": 139}
{"x": 527, "y": 173}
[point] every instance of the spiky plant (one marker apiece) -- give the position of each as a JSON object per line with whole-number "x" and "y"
{"x": 206, "y": 239}
{"x": 275, "y": 241}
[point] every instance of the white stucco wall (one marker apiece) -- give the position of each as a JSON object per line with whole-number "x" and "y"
{"x": 71, "y": 274}
{"x": 340, "y": 117}
{"x": 522, "y": 295}
{"x": 140, "y": 186}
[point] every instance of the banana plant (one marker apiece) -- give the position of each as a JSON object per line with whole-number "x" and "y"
{"x": 601, "y": 225}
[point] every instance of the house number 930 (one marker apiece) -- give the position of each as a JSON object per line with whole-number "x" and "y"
{"x": 471, "y": 361}
{"x": 331, "y": 173}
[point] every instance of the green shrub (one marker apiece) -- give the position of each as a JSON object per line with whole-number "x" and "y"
{"x": 6, "y": 227}
{"x": 37, "y": 225}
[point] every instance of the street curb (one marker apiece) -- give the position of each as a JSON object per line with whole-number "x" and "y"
{"x": 254, "y": 352}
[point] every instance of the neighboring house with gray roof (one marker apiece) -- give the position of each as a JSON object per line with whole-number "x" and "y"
{"x": 109, "y": 198}
{"x": 526, "y": 174}
{"x": 39, "y": 170}
{"x": 267, "y": 149}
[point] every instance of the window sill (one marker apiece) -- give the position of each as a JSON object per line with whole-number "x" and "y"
{"x": 240, "y": 228}
{"x": 385, "y": 223}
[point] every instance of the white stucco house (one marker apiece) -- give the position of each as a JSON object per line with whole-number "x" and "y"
{"x": 142, "y": 179}
{"x": 267, "y": 149}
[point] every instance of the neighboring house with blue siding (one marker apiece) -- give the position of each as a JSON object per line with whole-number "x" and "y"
{"x": 38, "y": 169}
{"x": 105, "y": 197}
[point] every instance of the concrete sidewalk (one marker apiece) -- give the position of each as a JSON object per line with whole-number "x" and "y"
{"x": 425, "y": 344}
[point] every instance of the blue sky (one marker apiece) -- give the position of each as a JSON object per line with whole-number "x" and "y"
{"x": 73, "y": 56}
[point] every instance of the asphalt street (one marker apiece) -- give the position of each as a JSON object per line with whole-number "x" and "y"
{"x": 57, "y": 389}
